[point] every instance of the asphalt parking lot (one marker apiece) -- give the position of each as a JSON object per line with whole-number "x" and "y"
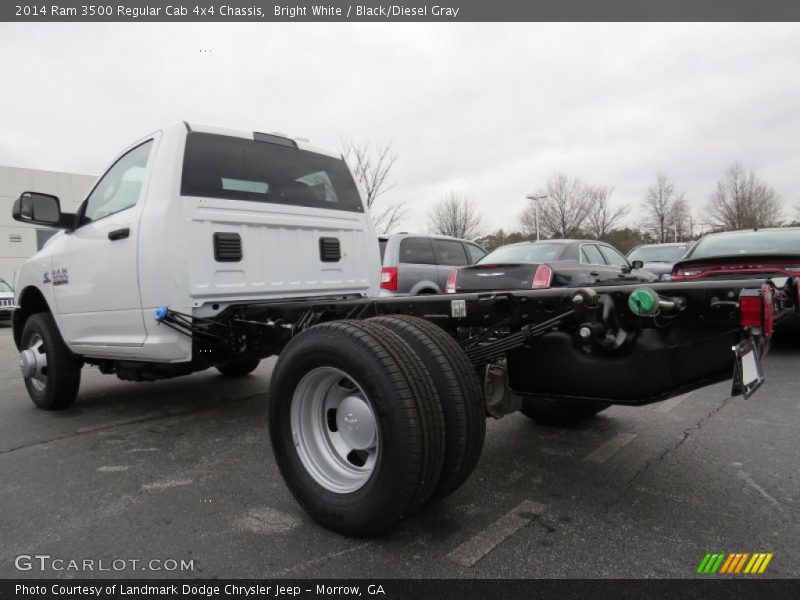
{"x": 182, "y": 469}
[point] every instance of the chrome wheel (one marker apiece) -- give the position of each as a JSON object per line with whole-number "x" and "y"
{"x": 335, "y": 430}
{"x": 33, "y": 363}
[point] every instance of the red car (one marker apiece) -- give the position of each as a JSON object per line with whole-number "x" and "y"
{"x": 759, "y": 253}
{"x": 752, "y": 254}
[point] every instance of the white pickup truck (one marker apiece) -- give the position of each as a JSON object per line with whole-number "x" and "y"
{"x": 193, "y": 217}
{"x": 209, "y": 247}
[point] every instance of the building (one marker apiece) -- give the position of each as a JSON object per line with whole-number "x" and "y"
{"x": 18, "y": 241}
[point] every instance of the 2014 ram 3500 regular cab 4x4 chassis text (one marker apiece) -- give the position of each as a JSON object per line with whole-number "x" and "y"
{"x": 208, "y": 247}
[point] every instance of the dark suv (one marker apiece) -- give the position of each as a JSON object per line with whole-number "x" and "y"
{"x": 420, "y": 264}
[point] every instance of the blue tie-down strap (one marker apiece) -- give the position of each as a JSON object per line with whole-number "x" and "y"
{"x": 161, "y": 313}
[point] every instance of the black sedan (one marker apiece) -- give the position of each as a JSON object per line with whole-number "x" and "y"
{"x": 759, "y": 253}
{"x": 551, "y": 263}
{"x": 659, "y": 258}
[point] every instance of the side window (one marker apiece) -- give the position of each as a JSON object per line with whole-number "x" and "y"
{"x": 382, "y": 245}
{"x": 120, "y": 187}
{"x": 417, "y": 250}
{"x": 590, "y": 255}
{"x": 613, "y": 257}
{"x": 450, "y": 253}
{"x": 475, "y": 253}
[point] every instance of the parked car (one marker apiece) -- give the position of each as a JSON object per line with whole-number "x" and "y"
{"x": 742, "y": 254}
{"x": 416, "y": 264}
{"x": 6, "y": 300}
{"x": 659, "y": 258}
{"x": 551, "y": 263}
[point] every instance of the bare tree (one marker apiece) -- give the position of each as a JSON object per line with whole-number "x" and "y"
{"x": 456, "y": 215}
{"x": 563, "y": 212}
{"x": 659, "y": 207}
{"x": 742, "y": 200}
{"x": 603, "y": 216}
{"x": 371, "y": 167}
{"x": 681, "y": 220}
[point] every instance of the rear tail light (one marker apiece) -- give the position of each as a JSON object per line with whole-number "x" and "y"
{"x": 542, "y": 278}
{"x": 389, "y": 278}
{"x": 756, "y": 310}
{"x": 679, "y": 274}
{"x": 451, "y": 281}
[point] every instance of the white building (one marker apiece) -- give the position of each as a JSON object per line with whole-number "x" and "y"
{"x": 19, "y": 241}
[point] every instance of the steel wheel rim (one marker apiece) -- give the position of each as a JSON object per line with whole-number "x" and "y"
{"x": 334, "y": 430}
{"x": 37, "y": 354}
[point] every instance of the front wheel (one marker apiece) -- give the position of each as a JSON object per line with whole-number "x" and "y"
{"x": 52, "y": 373}
{"x": 559, "y": 413}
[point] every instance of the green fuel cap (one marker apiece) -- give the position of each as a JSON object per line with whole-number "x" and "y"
{"x": 643, "y": 302}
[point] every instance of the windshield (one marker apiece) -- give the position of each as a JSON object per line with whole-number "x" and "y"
{"x": 527, "y": 253}
{"x": 658, "y": 253}
{"x": 773, "y": 241}
{"x": 4, "y": 287}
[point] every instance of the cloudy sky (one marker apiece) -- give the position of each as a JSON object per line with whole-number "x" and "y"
{"x": 489, "y": 110}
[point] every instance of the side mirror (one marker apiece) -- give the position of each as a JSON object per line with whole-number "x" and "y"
{"x": 40, "y": 209}
{"x": 637, "y": 264}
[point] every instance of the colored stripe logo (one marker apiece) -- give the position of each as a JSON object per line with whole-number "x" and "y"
{"x": 734, "y": 563}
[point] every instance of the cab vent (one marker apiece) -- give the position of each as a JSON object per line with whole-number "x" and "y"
{"x": 329, "y": 249}
{"x": 227, "y": 247}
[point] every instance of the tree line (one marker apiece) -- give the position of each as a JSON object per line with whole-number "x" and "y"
{"x": 569, "y": 207}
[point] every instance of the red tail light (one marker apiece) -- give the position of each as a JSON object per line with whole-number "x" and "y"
{"x": 451, "y": 281}
{"x": 389, "y": 278}
{"x": 682, "y": 274}
{"x": 756, "y": 309}
{"x": 542, "y": 278}
{"x": 750, "y": 311}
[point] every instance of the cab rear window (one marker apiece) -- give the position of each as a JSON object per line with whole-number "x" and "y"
{"x": 219, "y": 166}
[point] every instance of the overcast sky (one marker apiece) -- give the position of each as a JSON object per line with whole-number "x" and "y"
{"x": 489, "y": 110}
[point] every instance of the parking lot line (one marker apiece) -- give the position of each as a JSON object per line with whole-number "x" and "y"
{"x": 610, "y": 448}
{"x": 668, "y": 405}
{"x": 478, "y": 546}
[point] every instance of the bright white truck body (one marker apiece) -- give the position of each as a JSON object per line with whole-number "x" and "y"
{"x": 103, "y": 293}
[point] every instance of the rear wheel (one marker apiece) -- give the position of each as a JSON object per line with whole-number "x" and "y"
{"x": 356, "y": 426}
{"x": 460, "y": 393}
{"x": 559, "y": 413}
{"x": 52, "y": 373}
{"x": 239, "y": 367}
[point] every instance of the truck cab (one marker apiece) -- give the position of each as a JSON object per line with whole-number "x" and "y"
{"x": 195, "y": 217}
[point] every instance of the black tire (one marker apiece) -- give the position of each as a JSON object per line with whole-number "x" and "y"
{"x": 559, "y": 413}
{"x": 410, "y": 425}
{"x": 63, "y": 371}
{"x": 459, "y": 390}
{"x": 239, "y": 367}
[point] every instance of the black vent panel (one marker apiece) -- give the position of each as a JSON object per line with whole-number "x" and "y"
{"x": 330, "y": 250}
{"x": 227, "y": 247}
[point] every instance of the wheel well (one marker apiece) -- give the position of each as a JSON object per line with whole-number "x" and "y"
{"x": 31, "y": 301}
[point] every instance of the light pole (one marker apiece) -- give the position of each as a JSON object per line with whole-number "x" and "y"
{"x": 536, "y": 205}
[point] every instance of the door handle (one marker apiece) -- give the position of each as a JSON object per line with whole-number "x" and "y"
{"x": 594, "y": 273}
{"x": 119, "y": 234}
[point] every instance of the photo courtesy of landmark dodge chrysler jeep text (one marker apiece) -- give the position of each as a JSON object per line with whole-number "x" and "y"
{"x": 206, "y": 247}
